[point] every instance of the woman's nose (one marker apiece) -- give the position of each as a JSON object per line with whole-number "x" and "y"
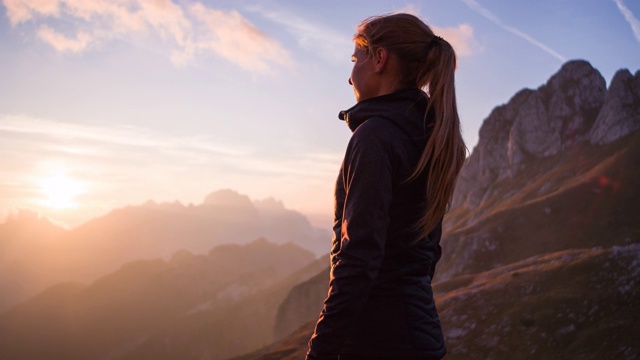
{"x": 350, "y": 83}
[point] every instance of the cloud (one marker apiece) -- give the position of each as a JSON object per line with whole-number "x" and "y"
{"x": 29, "y": 134}
{"x": 62, "y": 43}
{"x": 126, "y": 136}
{"x": 236, "y": 39}
{"x": 24, "y": 10}
{"x": 189, "y": 29}
{"x": 461, "y": 38}
{"x": 631, "y": 19}
{"x": 317, "y": 38}
{"x": 475, "y": 6}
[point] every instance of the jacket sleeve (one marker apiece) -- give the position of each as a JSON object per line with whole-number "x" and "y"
{"x": 367, "y": 176}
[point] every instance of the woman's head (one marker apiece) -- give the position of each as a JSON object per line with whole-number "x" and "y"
{"x": 418, "y": 51}
{"x": 417, "y": 58}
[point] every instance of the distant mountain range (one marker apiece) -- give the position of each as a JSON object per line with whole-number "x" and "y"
{"x": 220, "y": 304}
{"x": 35, "y": 253}
{"x": 541, "y": 250}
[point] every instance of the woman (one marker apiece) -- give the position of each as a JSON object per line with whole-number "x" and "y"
{"x": 394, "y": 186}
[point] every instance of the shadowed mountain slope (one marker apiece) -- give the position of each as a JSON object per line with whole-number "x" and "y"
{"x": 533, "y": 309}
{"x": 222, "y": 332}
{"x": 117, "y": 313}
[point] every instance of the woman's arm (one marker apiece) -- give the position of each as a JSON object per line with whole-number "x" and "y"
{"x": 367, "y": 176}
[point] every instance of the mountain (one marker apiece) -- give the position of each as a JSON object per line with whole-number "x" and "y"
{"x": 145, "y": 231}
{"x": 303, "y": 302}
{"x": 541, "y": 255}
{"x": 549, "y": 173}
{"x": 24, "y": 238}
{"x": 222, "y": 332}
{"x": 145, "y": 300}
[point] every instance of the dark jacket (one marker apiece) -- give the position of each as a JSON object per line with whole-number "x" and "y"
{"x": 380, "y": 301}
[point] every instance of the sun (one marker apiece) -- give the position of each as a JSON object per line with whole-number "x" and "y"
{"x": 60, "y": 191}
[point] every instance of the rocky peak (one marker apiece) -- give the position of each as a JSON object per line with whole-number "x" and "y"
{"x": 573, "y": 107}
{"x": 620, "y": 113}
{"x": 228, "y": 198}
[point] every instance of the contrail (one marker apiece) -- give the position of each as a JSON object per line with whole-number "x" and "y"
{"x": 632, "y": 20}
{"x": 489, "y": 15}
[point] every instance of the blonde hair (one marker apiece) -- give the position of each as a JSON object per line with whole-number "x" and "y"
{"x": 426, "y": 62}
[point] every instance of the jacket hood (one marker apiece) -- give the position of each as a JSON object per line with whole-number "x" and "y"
{"x": 405, "y": 108}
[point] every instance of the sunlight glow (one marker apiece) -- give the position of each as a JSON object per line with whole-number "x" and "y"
{"x": 60, "y": 191}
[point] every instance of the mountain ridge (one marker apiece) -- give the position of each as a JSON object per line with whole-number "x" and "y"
{"x": 146, "y": 231}
{"x": 122, "y": 310}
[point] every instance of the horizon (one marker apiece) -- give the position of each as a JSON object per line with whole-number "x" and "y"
{"x": 317, "y": 220}
{"x": 109, "y": 106}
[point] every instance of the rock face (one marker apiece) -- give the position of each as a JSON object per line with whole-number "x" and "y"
{"x": 573, "y": 107}
{"x": 621, "y": 111}
{"x": 554, "y": 169}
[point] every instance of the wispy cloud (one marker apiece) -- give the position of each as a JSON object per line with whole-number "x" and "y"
{"x": 128, "y": 136}
{"x": 188, "y": 28}
{"x": 475, "y": 6}
{"x": 36, "y": 139}
{"x": 461, "y": 38}
{"x": 62, "y": 43}
{"x": 236, "y": 39}
{"x": 321, "y": 39}
{"x": 631, "y": 19}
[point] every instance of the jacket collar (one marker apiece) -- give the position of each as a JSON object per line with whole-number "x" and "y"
{"x": 405, "y": 108}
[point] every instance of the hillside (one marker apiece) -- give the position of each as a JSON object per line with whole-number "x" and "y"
{"x": 115, "y": 314}
{"x": 36, "y": 259}
{"x": 24, "y": 238}
{"x": 533, "y": 309}
{"x": 573, "y": 304}
{"x": 219, "y": 333}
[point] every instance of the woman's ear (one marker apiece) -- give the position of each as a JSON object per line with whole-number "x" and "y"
{"x": 381, "y": 58}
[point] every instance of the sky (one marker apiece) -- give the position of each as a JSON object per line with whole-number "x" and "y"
{"x": 105, "y": 104}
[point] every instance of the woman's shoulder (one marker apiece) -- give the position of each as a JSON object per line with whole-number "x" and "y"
{"x": 377, "y": 127}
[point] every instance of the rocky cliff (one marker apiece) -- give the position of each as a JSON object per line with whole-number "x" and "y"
{"x": 573, "y": 107}
{"x": 542, "y": 160}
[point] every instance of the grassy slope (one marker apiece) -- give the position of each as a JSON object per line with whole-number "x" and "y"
{"x": 573, "y": 304}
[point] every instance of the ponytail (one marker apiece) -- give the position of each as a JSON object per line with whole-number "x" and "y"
{"x": 427, "y": 62}
{"x": 445, "y": 152}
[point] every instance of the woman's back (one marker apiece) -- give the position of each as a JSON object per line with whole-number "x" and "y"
{"x": 395, "y": 181}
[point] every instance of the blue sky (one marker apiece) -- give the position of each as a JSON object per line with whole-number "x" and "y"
{"x": 111, "y": 103}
